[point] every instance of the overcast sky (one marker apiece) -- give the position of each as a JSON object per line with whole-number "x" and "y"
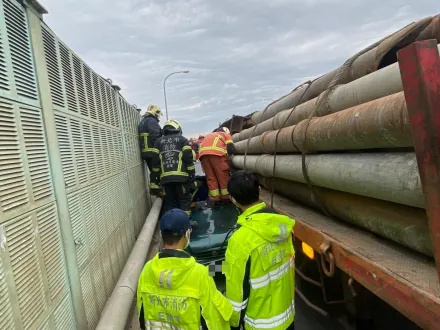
{"x": 241, "y": 53}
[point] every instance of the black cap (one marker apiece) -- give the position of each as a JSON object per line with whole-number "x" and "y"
{"x": 175, "y": 221}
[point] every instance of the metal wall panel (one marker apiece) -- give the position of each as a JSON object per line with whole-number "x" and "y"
{"x": 33, "y": 277}
{"x": 101, "y": 167}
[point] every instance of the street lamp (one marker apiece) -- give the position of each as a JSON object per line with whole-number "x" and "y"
{"x": 164, "y": 89}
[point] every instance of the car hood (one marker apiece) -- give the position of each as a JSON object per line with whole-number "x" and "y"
{"x": 214, "y": 224}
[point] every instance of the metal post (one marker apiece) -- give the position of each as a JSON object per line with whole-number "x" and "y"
{"x": 420, "y": 70}
{"x": 164, "y": 89}
{"x": 34, "y": 21}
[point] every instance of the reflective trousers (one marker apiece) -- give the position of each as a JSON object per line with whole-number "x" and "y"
{"x": 216, "y": 169}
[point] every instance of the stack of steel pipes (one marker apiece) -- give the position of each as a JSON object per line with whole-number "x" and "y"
{"x": 343, "y": 144}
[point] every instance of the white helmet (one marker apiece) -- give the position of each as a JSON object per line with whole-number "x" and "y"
{"x": 226, "y": 130}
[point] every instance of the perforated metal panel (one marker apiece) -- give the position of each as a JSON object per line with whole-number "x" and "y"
{"x": 97, "y": 133}
{"x": 102, "y": 171}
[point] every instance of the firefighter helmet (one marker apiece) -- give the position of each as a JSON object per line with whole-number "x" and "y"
{"x": 174, "y": 125}
{"x": 154, "y": 109}
{"x": 226, "y": 130}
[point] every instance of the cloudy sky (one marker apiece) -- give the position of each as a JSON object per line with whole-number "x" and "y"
{"x": 241, "y": 53}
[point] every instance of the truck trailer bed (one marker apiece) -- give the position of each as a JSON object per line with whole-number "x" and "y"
{"x": 402, "y": 278}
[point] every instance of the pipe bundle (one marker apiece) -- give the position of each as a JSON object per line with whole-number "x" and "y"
{"x": 350, "y": 138}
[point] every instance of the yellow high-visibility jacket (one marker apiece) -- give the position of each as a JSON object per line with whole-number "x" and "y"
{"x": 172, "y": 289}
{"x": 259, "y": 270}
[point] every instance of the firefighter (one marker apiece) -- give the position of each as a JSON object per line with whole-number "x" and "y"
{"x": 149, "y": 132}
{"x": 174, "y": 290}
{"x": 173, "y": 167}
{"x": 259, "y": 265}
{"x": 215, "y": 150}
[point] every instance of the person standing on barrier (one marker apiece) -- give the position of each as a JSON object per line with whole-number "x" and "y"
{"x": 174, "y": 290}
{"x": 259, "y": 261}
{"x": 173, "y": 167}
{"x": 149, "y": 131}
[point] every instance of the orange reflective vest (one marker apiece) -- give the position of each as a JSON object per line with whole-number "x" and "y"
{"x": 215, "y": 144}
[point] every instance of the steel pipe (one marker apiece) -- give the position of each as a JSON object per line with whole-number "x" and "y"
{"x": 402, "y": 224}
{"x": 117, "y": 309}
{"x": 376, "y": 85}
{"x": 362, "y": 66}
{"x": 382, "y": 123}
{"x": 392, "y": 177}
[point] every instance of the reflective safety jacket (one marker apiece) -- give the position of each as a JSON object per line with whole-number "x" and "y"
{"x": 259, "y": 270}
{"x": 149, "y": 131}
{"x": 171, "y": 290}
{"x": 173, "y": 160}
{"x": 216, "y": 144}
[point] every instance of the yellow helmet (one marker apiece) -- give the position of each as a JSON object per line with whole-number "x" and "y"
{"x": 174, "y": 124}
{"x": 154, "y": 109}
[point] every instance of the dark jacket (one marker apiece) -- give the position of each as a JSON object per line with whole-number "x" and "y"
{"x": 173, "y": 160}
{"x": 149, "y": 131}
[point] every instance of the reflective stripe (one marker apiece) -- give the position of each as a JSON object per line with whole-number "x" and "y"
{"x": 145, "y": 136}
{"x": 229, "y": 141}
{"x": 214, "y": 193}
{"x": 259, "y": 282}
{"x": 161, "y": 163}
{"x": 188, "y": 213}
{"x": 174, "y": 173}
{"x": 155, "y": 150}
{"x": 238, "y": 307}
{"x": 273, "y": 321}
{"x": 156, "y": 169}
{"x": 224, "y": 192}
{"x": 186, "y": 148}
{"x": 190, "y": 168}
{"x": 179, "y": 165}
{"x": 154, "y": 325}
{"x": 213, "y": 149}
{"x": 169, "y": 278}
{"x": 154, "y": 186}
{"x": 161, "y": 276}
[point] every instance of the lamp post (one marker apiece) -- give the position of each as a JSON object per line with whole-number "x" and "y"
{"x": 164, "y": 89}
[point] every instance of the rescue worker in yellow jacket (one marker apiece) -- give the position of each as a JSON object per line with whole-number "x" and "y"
{"x": 259, "y": 265}
{"x": 173, "y": 289}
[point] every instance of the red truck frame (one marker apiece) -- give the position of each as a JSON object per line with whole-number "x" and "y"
{"x": 406, "y": 281}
